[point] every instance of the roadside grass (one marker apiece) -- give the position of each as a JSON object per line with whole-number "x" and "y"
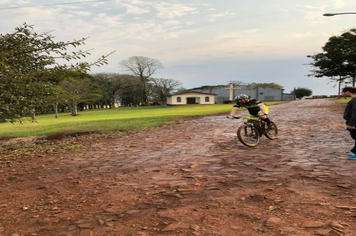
{"x": 343, "y": 100}
{"x": 124, "y": 119}
{"x": 119, "y": 120}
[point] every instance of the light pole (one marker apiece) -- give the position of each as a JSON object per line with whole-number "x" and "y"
{"x": 342, "y": 13}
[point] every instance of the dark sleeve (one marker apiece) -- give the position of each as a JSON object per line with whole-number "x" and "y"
{"x": 256, "y": 102}
{"x": 237, "y": 106}
{"x": 352, "y": 121}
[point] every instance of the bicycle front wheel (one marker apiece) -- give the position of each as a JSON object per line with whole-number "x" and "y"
{"x": 248, "y": 135}
{"x": 272, "y": 132}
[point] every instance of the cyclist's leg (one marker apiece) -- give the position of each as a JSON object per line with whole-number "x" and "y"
{"x": 254, "y": 118}
{"x": 265, "y": 117}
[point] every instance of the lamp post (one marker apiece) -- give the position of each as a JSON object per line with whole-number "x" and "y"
{"x": 342, "y": 13}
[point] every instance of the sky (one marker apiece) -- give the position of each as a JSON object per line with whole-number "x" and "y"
{"x": 211, "y": 42}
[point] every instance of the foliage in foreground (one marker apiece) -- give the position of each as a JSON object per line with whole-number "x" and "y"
{"x": 30, "y": 70}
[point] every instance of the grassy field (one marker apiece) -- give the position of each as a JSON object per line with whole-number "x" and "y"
{"x": 343, "y": 100}
{"x": 124, "y": 119}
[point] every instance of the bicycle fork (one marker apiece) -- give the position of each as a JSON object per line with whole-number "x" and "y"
{"x": 257, "y": 126}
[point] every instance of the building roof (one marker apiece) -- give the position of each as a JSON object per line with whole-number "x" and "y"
{"x": 192, "y": 92}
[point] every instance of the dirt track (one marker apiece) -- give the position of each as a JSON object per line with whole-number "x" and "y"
{"x": 193, "y": 178}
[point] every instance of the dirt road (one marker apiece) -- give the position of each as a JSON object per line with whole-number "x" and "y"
{"x": 193, "y": 178}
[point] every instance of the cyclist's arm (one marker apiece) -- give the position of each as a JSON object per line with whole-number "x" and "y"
{"x": 263, "y": 108}
{"x": 233, "y": 112}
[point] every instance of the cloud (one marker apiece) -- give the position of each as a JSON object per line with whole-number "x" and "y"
{"x": 172, "y": 24}
{"x": 223, "y": 45}
{"x": 150, "y": 31}
{"x": 220, "y": 15}
{"x": 223, "y": 14}
{"x": 302, "y": 35}
{"x": 23, "y": 2}
{"x": 235, "y": 35}
{"x": 168, "y": 10}
{"x": 3, "y": 2}
{"x": 315, "y": 14}
{"x": 138, "y": 2}
{"x": 80, "y": 13}
{"x": 131, "y": 9}
{"x": 338, "y": 3}
{"x": 107, "y": 22}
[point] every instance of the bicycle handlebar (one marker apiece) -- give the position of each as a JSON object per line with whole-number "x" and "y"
{"x": 242, "y": 117}
{"x": 234, "y": 117}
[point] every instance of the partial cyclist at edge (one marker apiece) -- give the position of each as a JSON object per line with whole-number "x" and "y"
{"x": 256, "y": 108}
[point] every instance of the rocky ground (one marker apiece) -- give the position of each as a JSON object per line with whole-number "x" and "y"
{"x": 192, "y": 178}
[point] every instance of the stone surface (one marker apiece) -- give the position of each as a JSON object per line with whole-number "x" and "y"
{"x": 192, "y": 178}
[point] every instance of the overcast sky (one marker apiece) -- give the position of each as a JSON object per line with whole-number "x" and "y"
{"x": 199, "y": 42}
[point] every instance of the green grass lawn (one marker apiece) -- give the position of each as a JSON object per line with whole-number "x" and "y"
{"x": 343, "y": 100}
{"x": 124, "y": 119}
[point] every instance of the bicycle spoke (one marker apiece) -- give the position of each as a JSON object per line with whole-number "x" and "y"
{"x": 272, "y": 132}
{"x": 248, "y": 135}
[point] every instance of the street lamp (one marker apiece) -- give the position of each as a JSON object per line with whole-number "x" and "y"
{"x": 334, "y": 14}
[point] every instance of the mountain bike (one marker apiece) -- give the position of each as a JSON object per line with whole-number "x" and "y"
{"x": 252, "y": 130}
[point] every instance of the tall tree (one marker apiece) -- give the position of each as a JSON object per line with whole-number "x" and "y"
{"x": 29, "y": 65}
{"x": 164, "y": 87}
{"x": 338, "y": 59}
{"x": 143, "y": 68}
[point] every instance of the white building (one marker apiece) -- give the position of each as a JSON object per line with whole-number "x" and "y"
{"x": 191, "y": 98}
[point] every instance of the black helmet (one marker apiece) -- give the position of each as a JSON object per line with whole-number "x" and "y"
{"x": 241, "y": 96}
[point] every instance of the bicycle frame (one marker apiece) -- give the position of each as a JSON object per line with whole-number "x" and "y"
{"x": 256, "y": 125}
{"x": 255, "y": 122}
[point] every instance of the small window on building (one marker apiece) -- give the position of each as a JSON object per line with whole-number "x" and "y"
{"x": 179, "y": 99}
{"x": 261, "y": 93}
{"x": 207, "y": 99}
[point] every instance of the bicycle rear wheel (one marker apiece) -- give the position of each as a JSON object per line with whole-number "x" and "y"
{"x": 271, "y": 133}
{"x": 248, "y": 135}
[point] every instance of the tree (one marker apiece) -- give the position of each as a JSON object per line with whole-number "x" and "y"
{"x": 54, "y": 98}
{"x": 338, "y": 59}
{"x": 111, "y": 83}
{"x": 237, "y": 83}
{"x": 57, "y": 95}
{"x": 130, "y": 94}
{"x": 182, "y": 90}
{"x": 143, "y": 68}
{"x": 79, "y": 89}
{"x": 267, "y": 85}
{"x": 164, "y": 87}
{"x": 30, "y": 65}
{"x": 301, "y": 92}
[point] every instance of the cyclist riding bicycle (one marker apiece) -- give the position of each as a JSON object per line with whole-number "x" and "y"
{"x": 255, "y": 107}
